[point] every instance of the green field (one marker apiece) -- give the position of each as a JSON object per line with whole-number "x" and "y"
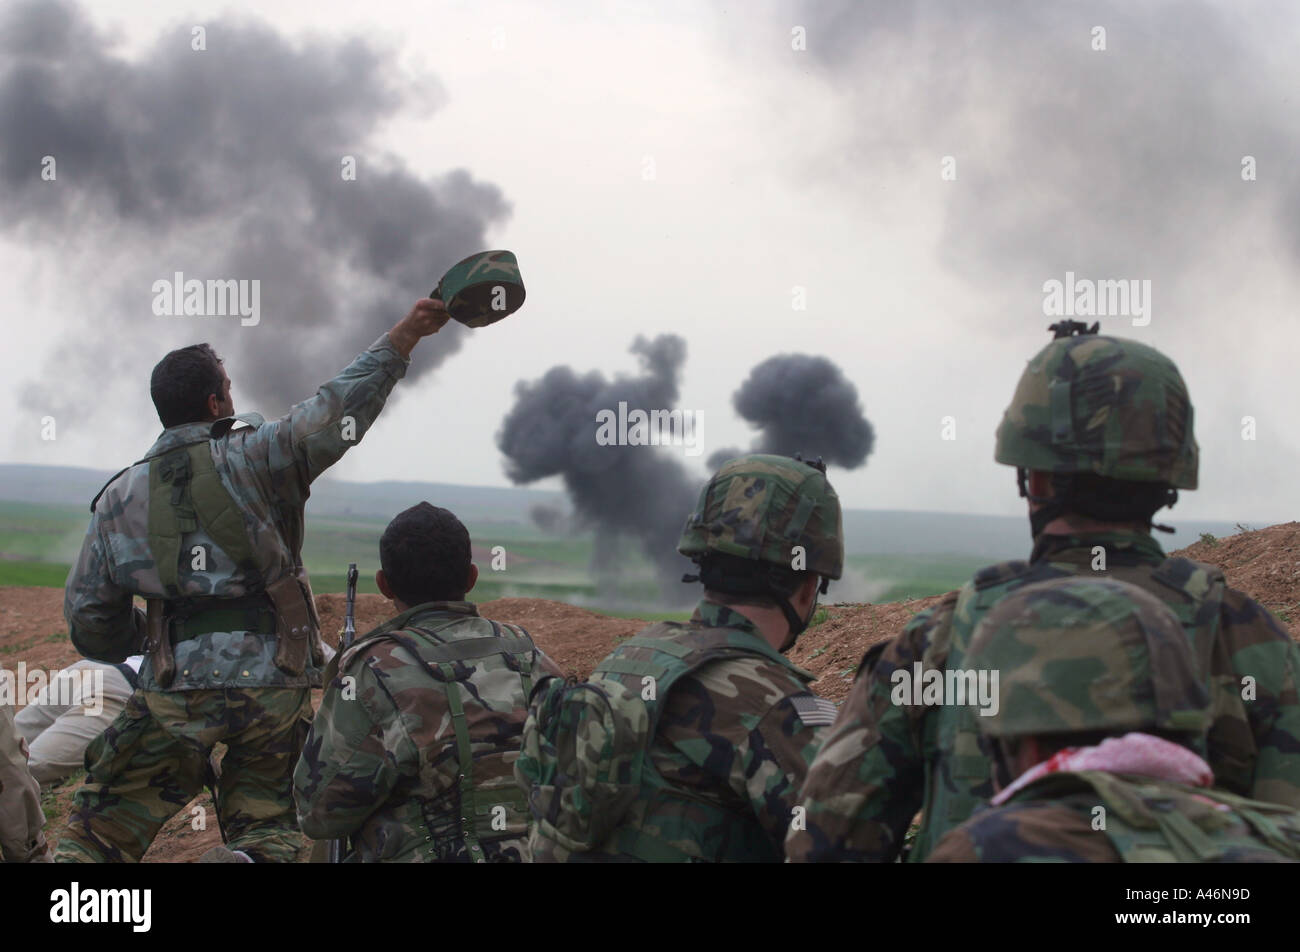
{"x": 915, "y": 576}
{"x": 38, "y": 544}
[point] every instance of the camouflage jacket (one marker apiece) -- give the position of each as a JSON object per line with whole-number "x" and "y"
{"x": 382, "y": 763}
{"x": 268, "y": 469}
{"x": 882, "y": 762}
{"x": 1098, "y": 817}
{"x": 736, "y": 734}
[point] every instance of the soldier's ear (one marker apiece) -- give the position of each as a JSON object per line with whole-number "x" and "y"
{"x": 382, "y": 581}
{"x": 472, "y": 579}
{"x": 1040, "y": 483}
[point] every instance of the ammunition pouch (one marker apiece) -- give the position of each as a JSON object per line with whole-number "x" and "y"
{"x": 158, "y": 643}
{"x": 299, "y": 629}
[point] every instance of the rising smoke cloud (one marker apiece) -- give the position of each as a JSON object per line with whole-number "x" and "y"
{"x": 616, "y": 490}
{"x": 1117, "y": 162}
{"x": 798, "y": 401}
{"x": 803, "y": 404}
{"x": 221, "y": 163}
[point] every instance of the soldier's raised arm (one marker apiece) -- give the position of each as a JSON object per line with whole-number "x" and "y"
{"x": 315, "y": 434}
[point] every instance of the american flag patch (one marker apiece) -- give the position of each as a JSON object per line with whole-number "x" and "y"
{"x": 814, "y": 711}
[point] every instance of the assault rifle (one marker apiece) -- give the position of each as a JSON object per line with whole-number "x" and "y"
{"x": 340, "y": 846}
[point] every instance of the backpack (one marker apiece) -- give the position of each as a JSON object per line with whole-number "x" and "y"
{"x": 1152, "y": 821}
{"x": 586, "y": 757}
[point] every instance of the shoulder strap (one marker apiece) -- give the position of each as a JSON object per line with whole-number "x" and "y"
{"x": 128, "y": 672}
{"x": 444, "y": 656}
{"x": 111, "y": 480}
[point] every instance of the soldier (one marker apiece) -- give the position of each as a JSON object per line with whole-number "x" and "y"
{"x": 207, "y": 528}
{"x": 78, "y": 705}
{"x": 412, "y": 752}
{"x": 725, "y": 726}
{"x": 1100, "y": 430}
{"x": 21, "y": 817}
{"x": 1094, "y": 741}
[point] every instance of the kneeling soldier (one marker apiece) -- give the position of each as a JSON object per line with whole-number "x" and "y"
{"x": 412, "y": 751}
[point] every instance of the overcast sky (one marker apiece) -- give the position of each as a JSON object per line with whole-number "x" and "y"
{"x": 665, "y": 167}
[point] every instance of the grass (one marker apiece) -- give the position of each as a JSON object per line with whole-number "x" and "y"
{"x": 1209, "y": 539}
{"x": 14, "y": 649}
{"x": 50, "y": 795}
{"x": 40, "y": 574}
{"x": 915, "y": 576}
{"x": 37, "y": 543}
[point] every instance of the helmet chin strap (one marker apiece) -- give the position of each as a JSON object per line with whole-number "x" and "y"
{"x": 798, "y": 625}
{"x": 1053, "y": 507}
{"x": 715, "y": 575}
{"x": 1049, "y": 507}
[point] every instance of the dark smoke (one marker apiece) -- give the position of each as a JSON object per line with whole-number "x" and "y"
{"x": 1115, "y": 163}
{"x": 799, "y": 403}
{"x": 637, "y": 491}
{"x": 223, "y": 163}
{"x": 548, "y": 518}
{"x": 805, "y": 404}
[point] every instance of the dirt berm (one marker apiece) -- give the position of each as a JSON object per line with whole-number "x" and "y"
{"x": 1264, "y": 563}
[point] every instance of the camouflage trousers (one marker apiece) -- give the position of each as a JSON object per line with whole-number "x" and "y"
{"x": 154, "y": 758}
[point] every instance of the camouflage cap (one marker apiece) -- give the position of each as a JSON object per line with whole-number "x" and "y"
{"x": 760, "y": 507}
{"x": 1084, "y": 654}
{"x": 1101, "y": 405}
{"x": 482, "y": 289}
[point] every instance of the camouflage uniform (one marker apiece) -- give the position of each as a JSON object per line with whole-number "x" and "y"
{"x": 385, "y": 762}
{"x": 227, "y": 687}
{"x": 1082, "y": 656}
{"x": 1088, "y": 404}
{"x": 21, "y": 817}
{"x": 732, "y": 727}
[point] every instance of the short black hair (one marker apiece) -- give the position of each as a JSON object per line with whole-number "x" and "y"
{"x": 1112, "y": 500}
{"x": 749, "y": 582}
{"x": 425, "y": 555}
{"x": 182, "y": 382}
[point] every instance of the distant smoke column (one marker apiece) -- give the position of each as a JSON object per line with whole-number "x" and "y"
{"x": 547, "y": 518}
{"x": 638, "y": 491}
{"x": 803, "y": 404}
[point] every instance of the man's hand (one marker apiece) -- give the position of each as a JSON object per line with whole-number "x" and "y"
{"x": 427, "y": 317}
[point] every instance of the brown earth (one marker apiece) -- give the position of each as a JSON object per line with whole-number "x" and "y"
{"x": 1264, "y": 563}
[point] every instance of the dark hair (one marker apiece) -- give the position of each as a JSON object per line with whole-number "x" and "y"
{"x": 1112, "y": 500}
{"x": 182, "y": 382}
{"x": 746, "y": 581}
{"x": 425, "y": 555}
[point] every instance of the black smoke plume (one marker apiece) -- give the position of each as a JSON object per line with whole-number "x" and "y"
{"x": 635, "y": 491}
{"x": 803, "y": 404}
{"x": 222, "y": 163}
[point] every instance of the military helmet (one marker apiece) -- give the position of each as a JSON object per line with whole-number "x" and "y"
{"x": 760, "y": 507}
{"x": 1082, "y": 654}
{"x": 1101, "y": 405}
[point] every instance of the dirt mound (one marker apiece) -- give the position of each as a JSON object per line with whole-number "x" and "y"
{"x": 833, "y": 649}
{"x": 1263, "y": 563}
{"x": 575, "y": 638}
